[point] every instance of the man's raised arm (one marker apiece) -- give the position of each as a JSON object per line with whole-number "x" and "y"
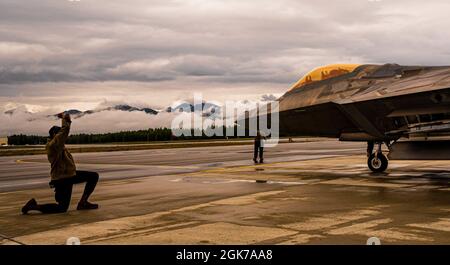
{"x": 61, "y": 137}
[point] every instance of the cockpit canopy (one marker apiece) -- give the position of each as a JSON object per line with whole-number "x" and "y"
{"x": 325, "y": 72}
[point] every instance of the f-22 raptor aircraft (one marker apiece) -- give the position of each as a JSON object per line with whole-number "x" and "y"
{"x": 407, "y": 108}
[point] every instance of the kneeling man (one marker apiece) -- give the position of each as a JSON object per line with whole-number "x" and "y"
{"x": 64, "y": 174}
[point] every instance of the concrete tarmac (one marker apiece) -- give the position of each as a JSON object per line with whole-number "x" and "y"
{"x": 305, "y": 193}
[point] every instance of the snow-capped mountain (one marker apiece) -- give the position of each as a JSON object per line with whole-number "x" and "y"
{"x": 208, "y": 109}
{"x": 123, "y": 107}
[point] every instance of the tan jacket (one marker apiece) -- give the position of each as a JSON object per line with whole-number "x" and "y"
{"x": 62, "y": 164}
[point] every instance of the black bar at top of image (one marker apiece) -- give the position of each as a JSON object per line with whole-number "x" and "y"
{"x": 222, "y": 254}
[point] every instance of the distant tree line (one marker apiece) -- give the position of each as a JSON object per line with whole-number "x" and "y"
{"x": 150, "y": 135}
{"x": 158, "y": 134}
{"x": 23, "y": 139}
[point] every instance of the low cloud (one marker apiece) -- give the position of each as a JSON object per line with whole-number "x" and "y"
{"x": 36, "y": 120}
{"x": 101, "y": 122}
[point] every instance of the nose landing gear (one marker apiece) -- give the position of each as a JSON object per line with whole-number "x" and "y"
{"x": 377, "y": 161}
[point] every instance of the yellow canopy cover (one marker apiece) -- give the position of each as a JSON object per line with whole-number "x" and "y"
{"x": 325, "y": 72}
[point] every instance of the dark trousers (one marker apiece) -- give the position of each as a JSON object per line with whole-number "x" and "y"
{"x": 63, "y": 191}
{"x": 260, "y": 150}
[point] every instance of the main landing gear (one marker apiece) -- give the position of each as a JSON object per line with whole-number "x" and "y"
{"x": 376, "y": 161}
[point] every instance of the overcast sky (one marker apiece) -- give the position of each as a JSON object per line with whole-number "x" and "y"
{"x": 76, "y": 54}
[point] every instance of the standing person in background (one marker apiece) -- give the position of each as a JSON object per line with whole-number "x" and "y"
{"x": 259, "y": 148}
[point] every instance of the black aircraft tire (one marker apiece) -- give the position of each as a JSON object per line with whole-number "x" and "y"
{"x": 377, "y": 165}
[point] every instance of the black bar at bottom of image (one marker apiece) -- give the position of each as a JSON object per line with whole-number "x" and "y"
{"x": 229, "y": 254}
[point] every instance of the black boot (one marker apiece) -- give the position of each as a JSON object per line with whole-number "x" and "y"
{"x": 30, "y": 205}
{"x": 85, "y": 205}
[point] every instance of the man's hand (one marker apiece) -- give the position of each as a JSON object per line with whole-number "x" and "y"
{"x": 64, "y": 115}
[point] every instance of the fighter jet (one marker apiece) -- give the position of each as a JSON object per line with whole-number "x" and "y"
{"x": 407, "y": 108}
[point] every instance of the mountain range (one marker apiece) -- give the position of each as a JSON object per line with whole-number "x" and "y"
{"x": 208, "y": 109}
{"x": 123, "y": 107}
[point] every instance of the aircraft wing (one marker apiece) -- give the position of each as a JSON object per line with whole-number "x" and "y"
{"x": 392, "y": 87}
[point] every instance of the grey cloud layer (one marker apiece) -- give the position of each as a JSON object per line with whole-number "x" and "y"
{"x": 57, "y": 54}
{"x": 220, "y": 41}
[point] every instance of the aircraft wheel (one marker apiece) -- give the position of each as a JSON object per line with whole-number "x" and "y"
{"x": 377, "y": 162}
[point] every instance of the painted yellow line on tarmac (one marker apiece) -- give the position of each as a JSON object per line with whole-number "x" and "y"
{"x": 20, "y": 161}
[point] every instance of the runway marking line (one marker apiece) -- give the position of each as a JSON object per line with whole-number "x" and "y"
{"x": 20, "y": 161}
